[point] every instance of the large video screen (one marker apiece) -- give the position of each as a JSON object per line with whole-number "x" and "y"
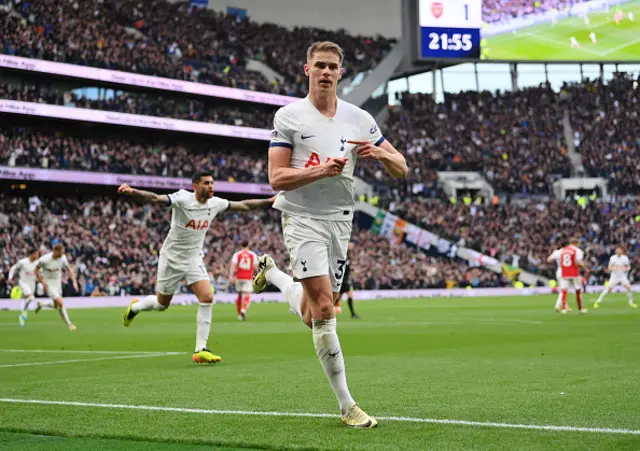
{"x": 529, "y": 30}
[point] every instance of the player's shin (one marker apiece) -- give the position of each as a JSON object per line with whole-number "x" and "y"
{"x": 602, "y": 295}
{"x": 564, "y": 300}
{"x": 239, "y": 304}
{"x": 579, "y": 299}
{"x": 246, "y": 301}
{"x": 25, "y": 305}
{"x": 64, "y": 315}
{"x": 629, "y": 296}
{"x": 203, "y": 327}
{"x": 148, "y": 303}
{"x": 328, "y": 350}
{"x": 47, "y": 303}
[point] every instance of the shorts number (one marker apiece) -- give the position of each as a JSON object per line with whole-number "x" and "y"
{"x": 341, "y": 264}
{"x": 566, "y": 260}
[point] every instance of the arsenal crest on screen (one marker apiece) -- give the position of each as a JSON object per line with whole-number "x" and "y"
{"x": 436, "y": 9}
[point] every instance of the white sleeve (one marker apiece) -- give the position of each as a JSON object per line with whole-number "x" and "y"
{"x": 65, "y": 260}
{"x": 626, "y": 261}
{"x": 15, "y": 268}
{"x": 44, "y": 259}
{"x": 555, "y": 255}
{"x": 178, "y": 198}
{"x": 282, "y": 133}
{"x": 370, "y": 130}
{"x": 579, "y": 255}
{"x": 612, "y": 261}
{"x": 234, "y": 259}
{"x": 219, "y": 204}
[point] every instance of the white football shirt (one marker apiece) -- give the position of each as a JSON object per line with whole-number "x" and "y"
{"x": 190, "y": 221}
{"x": 26, "y": 269}
{"x": 622, "y": 260}
{"x": 51, "y": 268}
{"x": 314, "y": 139}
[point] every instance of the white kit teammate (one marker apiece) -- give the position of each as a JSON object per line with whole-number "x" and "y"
{"x": 49, "y": 274}
{"x": 181, "y": 253}
{"x": 312, "y": 156}
{"x": 619, "y": 267}
{"x": 26, "y": 270}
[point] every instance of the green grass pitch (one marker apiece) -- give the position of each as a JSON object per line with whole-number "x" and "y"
{"x": 511, "y": 361}
{"x": 547, "y": 42}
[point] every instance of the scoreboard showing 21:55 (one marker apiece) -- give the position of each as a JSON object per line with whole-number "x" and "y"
{"x": 450, "y": 29}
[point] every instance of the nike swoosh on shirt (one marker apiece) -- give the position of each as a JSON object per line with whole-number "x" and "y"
{"x": 308, "y": 136}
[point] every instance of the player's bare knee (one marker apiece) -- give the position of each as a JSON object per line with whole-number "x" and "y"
{"x": 58, "y": 303}
{"x": 164, "y": 300}
{"x": 206, "y": 298}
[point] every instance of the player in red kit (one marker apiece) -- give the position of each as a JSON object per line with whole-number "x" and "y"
{"x": 569, "y": 260}
{"x": 243, "y": 266}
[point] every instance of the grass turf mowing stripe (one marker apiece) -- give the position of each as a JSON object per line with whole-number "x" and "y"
{"x": 489, "y": 424}
{"x": 58, "y": 362}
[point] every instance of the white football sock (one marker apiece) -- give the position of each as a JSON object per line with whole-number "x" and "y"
{"x": 292, "y": 290}
{"x": 203, "y": 321}
{"x": 47, "y": 303}
{"x": 601, "y": 297}
{"x": 294, "y": 296}
{"x": 148, "y": 303}
{"x": 325, "y": 340}
{"x": 64, "y": 315}
{"x": 630, "y": 296}
{"x": 25, "y": 305}
{"x": 278, "y": 278}
{"x": 559, "y": 301}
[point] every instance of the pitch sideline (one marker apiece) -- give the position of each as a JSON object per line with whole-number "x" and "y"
{"x": 490, "y": 424}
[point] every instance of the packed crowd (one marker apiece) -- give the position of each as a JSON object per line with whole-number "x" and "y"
{"x": 524, "y": 235}
{"x": 210, "y": 110}
{"x": 514, "y": 138}
{"x": 606, "y": 125}
{"x": 113, "y": 245}
{"x": 507, "y": 10}
{"x": 25, "y": 147}
{"x": 173, "y": 40}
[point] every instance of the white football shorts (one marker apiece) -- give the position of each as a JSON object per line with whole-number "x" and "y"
{"x": 570, "y": 282}
{"x": 170, "y": 275}
{"x": 28, "y": 289}
{"x": 244, "y": 286}
{"x": 317, "y": 247}
{"x": 616, "y": 280}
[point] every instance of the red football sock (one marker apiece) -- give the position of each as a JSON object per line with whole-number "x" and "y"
{"x": 579, "y": 299}
{"x": 247, "y": 301}
{"x": 239, "y": 303}
{"x": 564, "y": 300}
{"x": 337, "y": 304}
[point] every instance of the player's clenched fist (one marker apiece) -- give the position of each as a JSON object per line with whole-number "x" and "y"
{"x": 334, "y": 166}
{"x": 125, "y": 189}
{"x": 367, "y": 150}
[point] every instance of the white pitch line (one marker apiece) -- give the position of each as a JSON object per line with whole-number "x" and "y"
{"x": 59, "y": 362}
{"x": 490, "y": 424}
{"x": 620, "y": 47}
{"x": 73, "y": 351}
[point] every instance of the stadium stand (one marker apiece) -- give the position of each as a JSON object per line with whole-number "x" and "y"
{"x": 605, "y": 120}
{"x": 172, "y": 40}
{"x": 113, "y": 243}
{"x": 524, "y": 235}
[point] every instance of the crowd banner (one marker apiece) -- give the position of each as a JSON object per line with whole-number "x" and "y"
{"x": 141, "y": 81}
{"x": 138, "y": 181}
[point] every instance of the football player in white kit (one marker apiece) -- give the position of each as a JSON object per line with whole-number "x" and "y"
{"x": 25, "y": 268}
{"x": 51, "y": 265}
{"x": 181, "y": 254}
{"x": 619, "y": 267}
{"x": 312, "y": 156}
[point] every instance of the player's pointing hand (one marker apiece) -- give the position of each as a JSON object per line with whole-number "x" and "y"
{"x": 125, "y": 189}
{"x": 365, "y": 149}
{"x": 334, "y": 166}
